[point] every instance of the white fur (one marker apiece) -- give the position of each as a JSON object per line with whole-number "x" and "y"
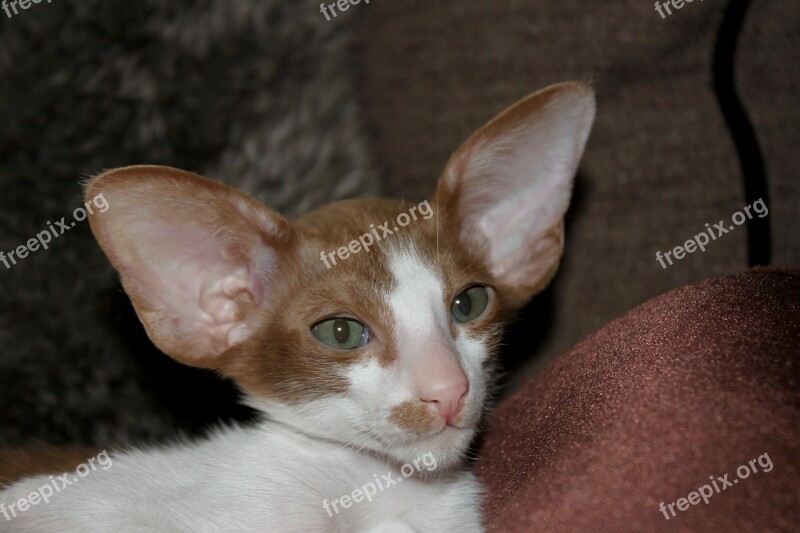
{"x": 265, "y": 478}
{"x": 423, "y": 318}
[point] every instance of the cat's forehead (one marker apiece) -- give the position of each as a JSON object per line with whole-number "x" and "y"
{"x": 382, "y": 240}
{"x": 352, "y": 217}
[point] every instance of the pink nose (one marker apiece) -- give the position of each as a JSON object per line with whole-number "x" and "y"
{"x": 448, "y": 397}
{"x": 439, "y": 379}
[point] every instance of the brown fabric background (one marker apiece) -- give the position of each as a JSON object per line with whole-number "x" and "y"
{"x": 659, "y": 164}
{"x": 689, "y": 385}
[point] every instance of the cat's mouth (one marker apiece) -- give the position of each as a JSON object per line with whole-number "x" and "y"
{"x": 449, "y": 446}
{"x": 447, "y": 440}
{"x": 440, "y": 436}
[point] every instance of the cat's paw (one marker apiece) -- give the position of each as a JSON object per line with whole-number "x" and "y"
{"x": 391, "y": 527}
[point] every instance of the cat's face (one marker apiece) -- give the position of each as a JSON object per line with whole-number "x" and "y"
{"x": 387, "y": 350}
{"x": 390, "y": 349}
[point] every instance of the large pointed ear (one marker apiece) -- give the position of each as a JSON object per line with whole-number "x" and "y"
{"x": 508, "y": 186}
{"x": 195, "y": 256}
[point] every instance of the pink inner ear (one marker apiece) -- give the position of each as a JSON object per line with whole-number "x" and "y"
{"x": 519, "y": 189}
{"x": 513, "y": 181}
{"x": 188, "y": 284}
{"x": 521, "y": 231}
{"x": 192, "y": 255}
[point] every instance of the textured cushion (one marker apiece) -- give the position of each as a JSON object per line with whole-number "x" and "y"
{"x": 691, "y": 384}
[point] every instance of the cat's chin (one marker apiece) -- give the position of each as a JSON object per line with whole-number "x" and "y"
{"x": 447, "y": 448}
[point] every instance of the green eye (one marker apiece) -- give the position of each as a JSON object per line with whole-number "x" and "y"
{"x": 469, "y": 304}
{"x": 341, "y": 333}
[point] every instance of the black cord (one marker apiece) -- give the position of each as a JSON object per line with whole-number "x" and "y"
{"x": 744, "y": 137}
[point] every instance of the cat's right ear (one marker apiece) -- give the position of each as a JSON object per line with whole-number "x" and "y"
{"x": 196, "y": 257}
{"x": 507, "y": 188}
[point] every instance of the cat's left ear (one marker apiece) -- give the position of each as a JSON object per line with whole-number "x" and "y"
{"x": 508, "y": 186}
{"x": 196, "y": 257}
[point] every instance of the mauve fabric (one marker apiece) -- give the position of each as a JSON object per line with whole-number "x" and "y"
{"x": 691, "y": 384}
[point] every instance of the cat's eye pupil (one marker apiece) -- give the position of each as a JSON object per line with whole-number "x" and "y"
{"x": 464, "y": 303}
{"x": 341, "y": 330}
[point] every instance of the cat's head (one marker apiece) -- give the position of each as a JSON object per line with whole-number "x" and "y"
{"x": 372, "y": 323}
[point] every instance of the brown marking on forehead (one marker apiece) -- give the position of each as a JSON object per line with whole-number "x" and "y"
{"x": 362, "y": 281}
{"x": 415, "y": 417}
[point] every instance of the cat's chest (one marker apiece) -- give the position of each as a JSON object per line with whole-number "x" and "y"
{"x": 287, "y": 480}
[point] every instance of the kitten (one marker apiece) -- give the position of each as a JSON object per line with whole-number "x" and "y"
{"x": 371, "y": 363}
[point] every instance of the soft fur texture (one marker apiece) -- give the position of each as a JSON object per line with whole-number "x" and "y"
{"x": 222, "y": 282}
{"x": 274, "y": 479}
{"x": 256, "y": 92}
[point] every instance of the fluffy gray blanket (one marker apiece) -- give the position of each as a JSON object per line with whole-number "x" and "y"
{"x": 259, "y": 94}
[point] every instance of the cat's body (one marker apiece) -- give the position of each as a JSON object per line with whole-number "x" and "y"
{"x": 379, "y": 363}
{"x": 266, "y": 478}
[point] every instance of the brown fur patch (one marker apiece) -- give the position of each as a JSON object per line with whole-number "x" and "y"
{"x": 415, "y": 418}
{"x": 16, "y": 464}
{"x": 283, "y": 359}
